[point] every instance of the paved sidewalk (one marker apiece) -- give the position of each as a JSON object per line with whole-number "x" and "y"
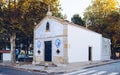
{"x": 66, "y": 67}
{"x": 6, "y": 63}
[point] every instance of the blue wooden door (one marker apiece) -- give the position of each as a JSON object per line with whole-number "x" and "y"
{"x": 48, "y": 51}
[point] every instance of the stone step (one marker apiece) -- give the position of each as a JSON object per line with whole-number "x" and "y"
{"x": 49, "y": 64}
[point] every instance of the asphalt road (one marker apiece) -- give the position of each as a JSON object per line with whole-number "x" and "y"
{"x": 5, "y": 70}
{"x": 109, "y": 69}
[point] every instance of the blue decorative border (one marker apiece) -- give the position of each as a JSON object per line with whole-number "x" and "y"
{"x": 57, "y": 43}
{"x": 38, "y": 44}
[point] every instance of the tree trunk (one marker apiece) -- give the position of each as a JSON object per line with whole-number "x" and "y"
{"x": 12, "y": 42}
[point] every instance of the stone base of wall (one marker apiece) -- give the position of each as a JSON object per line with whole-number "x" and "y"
{"x": 56, "y": 60}
{"x": 37, "y": 59}
{"x": 59, "y": 60}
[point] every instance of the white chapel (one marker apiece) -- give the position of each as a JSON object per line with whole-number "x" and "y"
{"x": 60, "y": 41}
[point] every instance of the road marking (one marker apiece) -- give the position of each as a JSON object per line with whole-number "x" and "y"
{"x": 76, "y": 72}
{"x": 87, "y": 72}
{"x": 100, "y": 73}
{"x": 114, "y": 73}
{"x": 90, "y": 72}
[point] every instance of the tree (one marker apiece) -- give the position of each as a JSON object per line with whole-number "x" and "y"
{"x": 98, "y": 10}
{"x": 111, "y": 29}
{"x": 19, "y": 17}
{"x": 77, "y": 20}
{"x": 104, "y": 18}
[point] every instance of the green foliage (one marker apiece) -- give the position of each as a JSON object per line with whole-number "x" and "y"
{"x": 112, "y": 28}
{"x": 104, "y": 18}
{"x": 77, "y": 20}
{"x": 19, "y": 17}
{"x": 98, "y": 10}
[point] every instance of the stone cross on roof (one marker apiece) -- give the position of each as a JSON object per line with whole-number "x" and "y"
{"x": 49, "y": 13}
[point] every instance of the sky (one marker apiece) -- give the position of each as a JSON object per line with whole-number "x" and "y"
{"x": 71, "y": 7}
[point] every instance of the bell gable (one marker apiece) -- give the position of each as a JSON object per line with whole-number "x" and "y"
{"x": 48, "y": 27}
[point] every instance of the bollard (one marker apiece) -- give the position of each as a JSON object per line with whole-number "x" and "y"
{"x": 17, "y": 63}
{"x": 46, "y": 66}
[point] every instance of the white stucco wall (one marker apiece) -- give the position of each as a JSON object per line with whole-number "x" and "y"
{"x": 6, "y": 56}
{"x": 78, "y": 42}
{"x": 40, "y": 35}
{"x": 55, "y": 29}
{"x": 106, "y": 49}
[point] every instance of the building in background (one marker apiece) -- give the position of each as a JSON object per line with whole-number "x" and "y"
{"x": 5, "y": 55}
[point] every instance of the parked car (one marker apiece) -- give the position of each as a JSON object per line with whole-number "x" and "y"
{"x": 25, "y": 58}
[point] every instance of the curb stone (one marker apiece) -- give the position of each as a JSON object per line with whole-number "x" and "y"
{"x": 84, "y": 67}
{"x": 102, "y": 64}
{"x": 92, "y": 65}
